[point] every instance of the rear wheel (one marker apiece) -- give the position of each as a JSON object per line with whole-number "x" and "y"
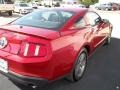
{"x": 108, "y": 40}
{"x": 79, "y": 67}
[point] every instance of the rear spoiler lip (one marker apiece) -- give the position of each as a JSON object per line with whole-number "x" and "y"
{"x": 26, "y": 34}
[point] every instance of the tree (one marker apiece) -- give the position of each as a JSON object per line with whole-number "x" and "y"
{"x": 88, "y": 2}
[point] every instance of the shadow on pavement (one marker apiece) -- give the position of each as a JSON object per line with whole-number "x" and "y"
{"x": 103, "y": 72}
{"x": 15, "y": 15}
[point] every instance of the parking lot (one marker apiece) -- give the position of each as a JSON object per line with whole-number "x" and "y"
{"x": 103, "y": 67}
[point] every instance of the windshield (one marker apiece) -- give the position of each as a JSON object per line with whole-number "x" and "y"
{"x": 23, "y": 5}
{"x": 48, "y": 19}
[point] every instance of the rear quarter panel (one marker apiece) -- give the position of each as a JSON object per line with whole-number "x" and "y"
{"x": 65, "y": 51}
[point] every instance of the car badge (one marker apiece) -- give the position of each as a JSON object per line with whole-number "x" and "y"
{"x": 3, "y": 42}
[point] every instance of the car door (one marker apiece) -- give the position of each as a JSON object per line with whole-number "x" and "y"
{"x": 96, "y": 27}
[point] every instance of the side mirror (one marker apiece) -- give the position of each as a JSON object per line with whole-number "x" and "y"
{"x": 98, "y": 20}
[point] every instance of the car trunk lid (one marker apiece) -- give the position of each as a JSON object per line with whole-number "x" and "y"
{"x": 33, "y": 31}
{"x": 16, "y": 34}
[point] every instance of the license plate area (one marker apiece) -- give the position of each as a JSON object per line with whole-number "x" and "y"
{"x": 3, "y": 66}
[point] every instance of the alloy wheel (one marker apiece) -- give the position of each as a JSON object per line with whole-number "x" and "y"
{"x": 80, "y": 66}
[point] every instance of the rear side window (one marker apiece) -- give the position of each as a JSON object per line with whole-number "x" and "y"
{"x": 92, "y": 17}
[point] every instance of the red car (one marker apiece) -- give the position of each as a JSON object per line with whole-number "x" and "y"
{"x": 50, "y": 44}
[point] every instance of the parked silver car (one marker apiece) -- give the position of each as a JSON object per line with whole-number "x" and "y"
{"x": 108, "y": 6}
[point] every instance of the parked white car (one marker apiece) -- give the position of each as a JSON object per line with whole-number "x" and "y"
{"x": 94, "y": 5}
{"x": 22, "y": 8}
{"x": 73, "y": 5}
{"x": 50, "y": 3}
{"x": 6, "y": 6}
{"x": 33, "y": 5}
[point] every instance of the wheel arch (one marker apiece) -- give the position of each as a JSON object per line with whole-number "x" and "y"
{"x": 87, "y": 47}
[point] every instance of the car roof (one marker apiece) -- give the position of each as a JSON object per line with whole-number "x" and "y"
{"x": 72, "y": 9}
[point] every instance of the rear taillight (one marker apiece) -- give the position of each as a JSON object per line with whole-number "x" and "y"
{"x": 33, "y": 49}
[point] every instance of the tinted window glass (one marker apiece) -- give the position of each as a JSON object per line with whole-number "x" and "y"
{"x": 23, "y": 5}
{"x": 50, "y": 19}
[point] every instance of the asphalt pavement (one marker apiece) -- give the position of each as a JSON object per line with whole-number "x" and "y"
{"x": 103, "y": 70}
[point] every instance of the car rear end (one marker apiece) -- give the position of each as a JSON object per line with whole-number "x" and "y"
{"x": 26, "y": 47}
{"x": 115, "y": 6}
{"x": 25, "y": 57}
{"x": 24, "y": 8}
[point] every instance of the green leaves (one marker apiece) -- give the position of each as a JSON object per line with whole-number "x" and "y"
{"x": 88, "y": 2}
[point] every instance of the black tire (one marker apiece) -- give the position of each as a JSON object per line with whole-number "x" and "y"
{"x": 106, "y": 9}
{"x": 45, "y": 5}
{"x": 79, "y": 67}
{"x": 108, "y": 40}
{"x": 10, "y": 13}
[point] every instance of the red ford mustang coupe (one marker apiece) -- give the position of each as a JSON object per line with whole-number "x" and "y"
{"x": 52, "y": 43}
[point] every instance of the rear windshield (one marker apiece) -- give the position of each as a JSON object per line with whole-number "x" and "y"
{"x": 23, "y": 5}
{"x": 48, "y": 19}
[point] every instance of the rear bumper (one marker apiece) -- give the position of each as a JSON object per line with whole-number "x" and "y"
{"x": 25, "y": 80}
{"x": 32, "y": 67}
